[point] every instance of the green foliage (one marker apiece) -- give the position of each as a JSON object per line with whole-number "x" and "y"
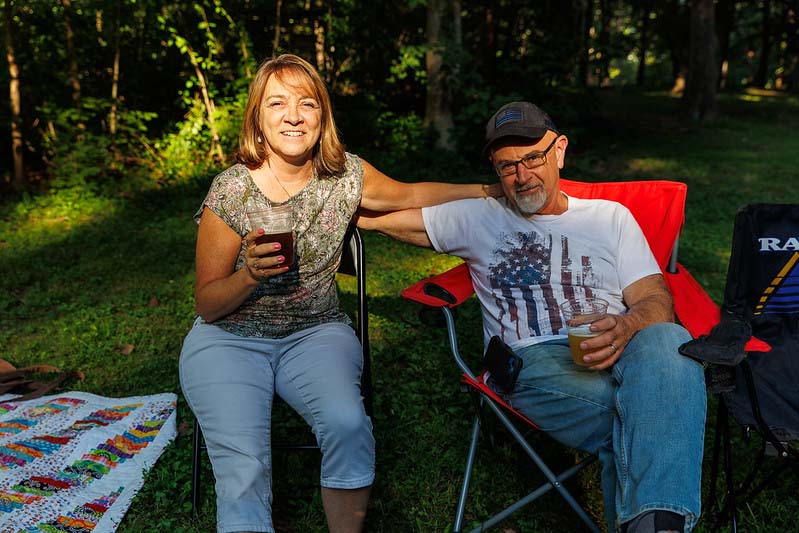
{"x": 400, "y": 135}
{"x": 409, "y": 64}
{"x": 81, "y": 154}
{"x": 184, "y": 154}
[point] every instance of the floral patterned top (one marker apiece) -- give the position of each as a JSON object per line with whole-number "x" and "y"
{"x": 306, "y": 294}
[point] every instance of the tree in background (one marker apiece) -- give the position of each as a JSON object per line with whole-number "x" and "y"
{"x": 761, "y": 76}
{"x": 104, "y": 97}
{"x": 438, "y": 113}
{"x": 789, "y": 68}
{"x": 701, "y": 85}
{"x": 14, "y": 99}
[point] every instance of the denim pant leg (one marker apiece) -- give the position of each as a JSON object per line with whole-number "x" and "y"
{"x": 659, "y": 437}
{"x": 319, "y": 375}
{"x": 228, "y": 382}
{"x": 647, "y": 431}
{"x": 573, "y": 405}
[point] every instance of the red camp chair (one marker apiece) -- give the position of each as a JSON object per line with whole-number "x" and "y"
{"x": 659, "y": 207}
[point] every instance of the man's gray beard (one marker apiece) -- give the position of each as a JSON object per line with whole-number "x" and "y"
{"x": 529, "y": 205}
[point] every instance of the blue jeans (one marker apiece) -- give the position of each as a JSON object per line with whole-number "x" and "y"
{"x": 229, "y": 382}
{"x": 644, "y": 418}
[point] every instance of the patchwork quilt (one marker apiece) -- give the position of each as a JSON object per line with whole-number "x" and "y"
{"x": 74, "y": 461}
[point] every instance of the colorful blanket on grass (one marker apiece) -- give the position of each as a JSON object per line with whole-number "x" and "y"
{"x": 74, "y": 461}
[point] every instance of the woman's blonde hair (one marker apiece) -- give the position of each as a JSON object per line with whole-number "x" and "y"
{"x": 328, "y": 154}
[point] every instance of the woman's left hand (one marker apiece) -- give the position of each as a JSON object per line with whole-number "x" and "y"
{"x": 493, "y": 190}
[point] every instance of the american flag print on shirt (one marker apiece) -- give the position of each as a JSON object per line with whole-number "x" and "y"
{"x": 526, "y": 290}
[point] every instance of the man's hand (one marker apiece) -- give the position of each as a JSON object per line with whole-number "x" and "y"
{"x": 649, "y": 301}
{"x": 604, "y": 350}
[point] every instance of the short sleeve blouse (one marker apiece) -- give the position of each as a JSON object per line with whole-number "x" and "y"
{"x": 306, "y": 295}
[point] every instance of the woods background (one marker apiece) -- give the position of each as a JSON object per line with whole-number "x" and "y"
{"x": 151, "y": 91}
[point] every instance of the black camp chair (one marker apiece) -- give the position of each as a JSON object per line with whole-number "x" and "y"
{"x": 758, "y": 386}
{"x": 353, "y": 264}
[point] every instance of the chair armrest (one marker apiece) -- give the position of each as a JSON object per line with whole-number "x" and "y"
{"x": 692, "y": 305}
{"x": 450, "y": 288}
{"x": 696, "y": 311}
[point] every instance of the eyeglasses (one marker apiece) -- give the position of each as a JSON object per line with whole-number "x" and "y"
{"x": 530, "y": 161}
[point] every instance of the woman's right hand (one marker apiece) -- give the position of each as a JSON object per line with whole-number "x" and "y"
{"x": 263, "y": 260}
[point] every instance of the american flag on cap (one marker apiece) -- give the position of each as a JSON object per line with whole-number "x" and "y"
{"x": 511, "y": 114}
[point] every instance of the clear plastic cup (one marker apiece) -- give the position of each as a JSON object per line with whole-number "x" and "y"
{"x": 579, "y": 312}
{"x": 277, "y": 222}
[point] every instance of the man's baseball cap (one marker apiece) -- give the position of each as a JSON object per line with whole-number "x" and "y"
{"x": 517, "y": 119}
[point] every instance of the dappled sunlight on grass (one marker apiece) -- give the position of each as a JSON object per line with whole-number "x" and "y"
{"x": 650, "y": 165}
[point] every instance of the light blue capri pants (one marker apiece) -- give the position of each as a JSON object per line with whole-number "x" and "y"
{"x": 229, "y": 381}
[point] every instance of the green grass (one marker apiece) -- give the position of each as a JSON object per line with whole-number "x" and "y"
{"x": 84, "y": 279}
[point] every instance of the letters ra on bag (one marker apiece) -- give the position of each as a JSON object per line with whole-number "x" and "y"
{"x": 774, "y": 244}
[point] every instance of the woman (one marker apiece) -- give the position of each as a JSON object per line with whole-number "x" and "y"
{"x": 267, "y": 328}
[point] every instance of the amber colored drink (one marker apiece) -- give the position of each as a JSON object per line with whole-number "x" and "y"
{"x": 576, "y": 336}
{"x": 286, "y": 240}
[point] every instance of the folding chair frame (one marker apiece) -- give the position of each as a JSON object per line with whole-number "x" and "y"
{"x": 489, "y": 399}
{"x": 740, "y": 296}
{"x": 771, "y": 445}
{"x": 659, "y": 207}
{"x": 353, "y": 263}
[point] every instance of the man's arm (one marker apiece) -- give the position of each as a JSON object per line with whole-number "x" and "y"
{"x": 649, "y": 301}
{"x": 406, "y": 225}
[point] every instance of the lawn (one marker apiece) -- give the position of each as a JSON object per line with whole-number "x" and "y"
{"x": 103, "y": 283}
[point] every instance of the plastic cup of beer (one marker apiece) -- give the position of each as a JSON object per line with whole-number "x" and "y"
{"x": 579, "y": 312}
{"x": 277, "y": 222}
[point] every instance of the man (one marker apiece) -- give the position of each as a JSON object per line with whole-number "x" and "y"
{"x": 637, "y": 404}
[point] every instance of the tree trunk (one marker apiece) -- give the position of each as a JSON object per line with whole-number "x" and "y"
{"x": 725, "y": 19}
{"x": 319, "y": 46}
{"x": 437, "y": 106}
{"x": 489, "y": 48}
{"x": 276, "y": 42}
{"x": 588, "y": 22}
{"x": 457, "y": 38}
{"x": 457, "y": 23}
{"x": 112, "y": 115}
{"x": 761, "y": 77}
{"x": 216, "y": 144}
{"x": 14, "y": 101}
{"x": 791, "y": 76}
{"x": 72, "y": 59}
{"x": 603, "y": 43}
{"x": 675, "y": 22}
{"x": 643, "y": 44}
{"x": 700, "y": 92}
{"x": 245, "y": 55}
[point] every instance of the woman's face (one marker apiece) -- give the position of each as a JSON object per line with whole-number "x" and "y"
{"x": 291, "y": 118}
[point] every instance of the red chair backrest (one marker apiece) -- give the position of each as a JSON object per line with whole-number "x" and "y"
{"x": 658, "y": 206}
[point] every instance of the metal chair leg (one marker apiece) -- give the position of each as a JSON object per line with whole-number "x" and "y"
{"x": 714, "y": 465}
{"x": 195, "y": 469}
{"x": 467, "y": 475}
{"x": 733, "y": 509}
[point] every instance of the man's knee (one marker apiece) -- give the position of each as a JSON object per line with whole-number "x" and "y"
{"x": 655, "y": 351}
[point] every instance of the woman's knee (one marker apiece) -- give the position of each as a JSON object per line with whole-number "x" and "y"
{"x": 344, "y": 424}
{"x": 348, "y": 450}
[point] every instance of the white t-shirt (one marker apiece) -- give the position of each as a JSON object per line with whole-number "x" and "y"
{"x": 523, "y": 268}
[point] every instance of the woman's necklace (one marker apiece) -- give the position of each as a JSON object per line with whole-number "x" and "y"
{"x": 288, "y": 196}
{"x": 274, "y": 175}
